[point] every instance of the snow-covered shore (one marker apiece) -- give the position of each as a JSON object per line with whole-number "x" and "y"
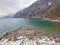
{"x": 26, "y": 41}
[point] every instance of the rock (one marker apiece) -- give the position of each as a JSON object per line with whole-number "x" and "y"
{"x": 57, "y": 39}
{"x": 28, "y": 36}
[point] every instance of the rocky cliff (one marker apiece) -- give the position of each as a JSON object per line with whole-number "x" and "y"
{"x": 41, "y": 9}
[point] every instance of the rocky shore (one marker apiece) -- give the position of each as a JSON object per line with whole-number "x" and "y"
{"x": 29, "y": 35}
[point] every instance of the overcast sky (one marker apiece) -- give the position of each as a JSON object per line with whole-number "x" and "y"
{"x": 12, "y": 6}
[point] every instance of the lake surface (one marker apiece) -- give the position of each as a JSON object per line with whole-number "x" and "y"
{"x": 12, "y": 24}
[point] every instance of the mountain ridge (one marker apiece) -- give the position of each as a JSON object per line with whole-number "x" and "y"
{"x": 40, "y": 9}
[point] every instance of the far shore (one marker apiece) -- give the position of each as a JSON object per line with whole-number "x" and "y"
{"x": 55, "y": 20}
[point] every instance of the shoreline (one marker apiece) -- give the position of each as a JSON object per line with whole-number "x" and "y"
{"x": 55, "y": 20}
{"x": 29, "y": 35}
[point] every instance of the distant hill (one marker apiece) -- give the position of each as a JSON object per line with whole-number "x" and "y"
{"x": 41, "y": 9}
{"x": 8, "y": 16}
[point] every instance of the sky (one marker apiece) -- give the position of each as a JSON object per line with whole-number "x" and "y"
{"x": 13, "y": 6}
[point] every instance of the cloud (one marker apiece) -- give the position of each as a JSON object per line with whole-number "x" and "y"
{"x": 12, "y": 6}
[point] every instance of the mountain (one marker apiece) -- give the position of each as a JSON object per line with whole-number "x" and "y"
{"x": 41, "y": 9}
{"x": 9, "y": 16}
{"x": 1, "y": 16}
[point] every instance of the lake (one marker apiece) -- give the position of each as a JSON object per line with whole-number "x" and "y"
{"x": 11, "y": 24}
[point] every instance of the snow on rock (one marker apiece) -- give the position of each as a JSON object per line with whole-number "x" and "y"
{"x": 23, "y": 40}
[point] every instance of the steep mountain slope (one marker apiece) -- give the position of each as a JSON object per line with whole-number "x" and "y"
{"x": 41, "y": 9}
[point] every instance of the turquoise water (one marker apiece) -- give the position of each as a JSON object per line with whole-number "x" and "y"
{"x": 12, "y": 24}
